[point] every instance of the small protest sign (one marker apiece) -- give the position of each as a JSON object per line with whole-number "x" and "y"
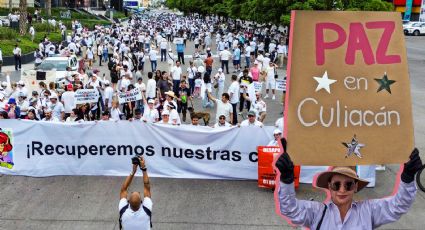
{"x": 266, "y": 174}
{"x": 281, "y": 84}
{"x": 83, "y": 96}
{"x": 349, "y": 92}
{"x": 129, "y": 96}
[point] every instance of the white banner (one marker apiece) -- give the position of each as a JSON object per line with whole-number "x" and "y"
{"x": 83, "y": 96}
{"x": 178, "y": 41}
{"x": 280, "y": 85}
{"x": 129, "y": 96}
{"x": 105, "y": 148}
{"x": 42, "y": 149}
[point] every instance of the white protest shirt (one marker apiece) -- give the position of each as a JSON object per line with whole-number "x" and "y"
{"x": 174, "y": 116}
{"x": 279, "y": 124}
{"x": 234, "y": 92}
{"x": 270, "y": 73}
{"x": 150, "y": 115}
{"x": 258, "y": 107}
{"x": 125, "y": 82}
{"x": 68, "y": 100}
{"x": 247, "y": 51}
{"x": 220, "y": 78}
{"x": 176, "y": 72}
{"x": 191, "y": 71}
{"x": 223, "y": 109}
{"x": 226, "y": 124}
{"x": 225, "y": 55}
{"x": 151, "y": 88}
{"x": 57, "y": 109}
{"x": 17, "y": 51}
{"x": 132, "y": 220}
{"x": 108, "y": 94}
{"x": 281, "y": 49}
{"x": 163, "y": 45}
{"x": 153, "y": 55}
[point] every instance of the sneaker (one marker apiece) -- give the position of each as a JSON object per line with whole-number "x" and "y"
{"x": 240, "y": 113}
{"x": 267, "y": 96}
{"x": 273, "y": 98}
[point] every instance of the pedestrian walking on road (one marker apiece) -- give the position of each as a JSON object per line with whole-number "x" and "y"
{"x": 17, "y": 52}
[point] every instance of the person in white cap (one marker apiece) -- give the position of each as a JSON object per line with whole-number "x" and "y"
{"x": 219, "y": 80}
{"x": 276, "y": 138}
{"x": 165, "y": 117}
{"x": 58, "y": 111}
{"x": 150, "y": 114}
{"x": 48, "y": 116}
{"x": 342, "y": 211}
{"x": 22, "y": 88}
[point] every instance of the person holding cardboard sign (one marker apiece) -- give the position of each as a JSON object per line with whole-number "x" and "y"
{"x": 342, "y": 212}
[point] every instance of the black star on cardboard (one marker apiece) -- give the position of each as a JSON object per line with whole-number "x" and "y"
{"x": 384, "y": 83}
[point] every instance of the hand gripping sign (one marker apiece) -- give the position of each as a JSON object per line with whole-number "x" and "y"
{"x": 349, "y": 92}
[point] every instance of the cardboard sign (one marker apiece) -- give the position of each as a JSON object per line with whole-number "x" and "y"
{"x": 349, "y": 93}
{"x": 129, "y": 96}
{"x": 281, "y": 84}
{"x": 83, "y": 96}
{"x": 266, "y": 174}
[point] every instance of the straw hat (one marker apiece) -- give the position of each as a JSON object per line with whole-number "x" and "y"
{"x": 170, "y": 93}
{"x": 324, "y": 177}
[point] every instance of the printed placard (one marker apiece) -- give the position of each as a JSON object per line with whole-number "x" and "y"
{"x": 83, "y": 96}
{"x": 129, "y": 96}
{"x": 178, "y": 41}
{"x": 349, "y": 92}
{"x": 281, "y": 84}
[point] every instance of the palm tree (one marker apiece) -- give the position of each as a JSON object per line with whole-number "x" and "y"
{"x": 10, "y": 5}
{"x": 22, "y": 17}
{"x": 49, "y": 7}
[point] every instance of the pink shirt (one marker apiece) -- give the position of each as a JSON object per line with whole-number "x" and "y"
{"x": 255, "y": 72}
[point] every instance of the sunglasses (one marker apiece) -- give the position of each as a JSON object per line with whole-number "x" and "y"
{"x": 222, "y": 118}
{"x": 348, "y": 186}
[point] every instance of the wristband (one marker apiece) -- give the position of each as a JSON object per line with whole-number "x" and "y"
{"x": 143, "y": 169}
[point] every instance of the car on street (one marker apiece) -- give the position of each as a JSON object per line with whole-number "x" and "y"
{"x": 415, "y": 29}
{"x": 52, "y": 69}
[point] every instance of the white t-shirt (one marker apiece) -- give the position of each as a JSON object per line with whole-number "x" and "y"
{"x": 135, "y": 219}
{"x": 223, "y": 109}
{"x": 176, "y": 72}
{"x": 152, "y": 55}
{"x": 108, "y": 93}
{"x": 225, "y": 55}
{"x": 279, "y": 124}
{"x": 150, "y": 115}
{"x": 234, "y": 92}
{"x": 68, "y": 101}
{"x": 174, "y": 116}
{"x": 57, "y": 109}
{"x": 151, "y": 88}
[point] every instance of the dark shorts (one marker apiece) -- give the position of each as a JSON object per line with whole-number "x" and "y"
{"x": 114, "y": 79}
{"x": 236, "y": 62}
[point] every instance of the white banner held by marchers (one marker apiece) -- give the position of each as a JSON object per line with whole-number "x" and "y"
{"x": 42, "y": 149}
{"x": 129, "y": 96}
{"x": 83, "y": 96}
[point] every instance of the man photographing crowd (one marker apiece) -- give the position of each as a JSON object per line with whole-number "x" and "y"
{"x": 136, "y": 213}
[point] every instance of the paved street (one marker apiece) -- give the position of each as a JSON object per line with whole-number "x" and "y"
{"x": 66, "y": 202}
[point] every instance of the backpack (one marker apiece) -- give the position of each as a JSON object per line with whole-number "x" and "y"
{"x": 147, "y": 211}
